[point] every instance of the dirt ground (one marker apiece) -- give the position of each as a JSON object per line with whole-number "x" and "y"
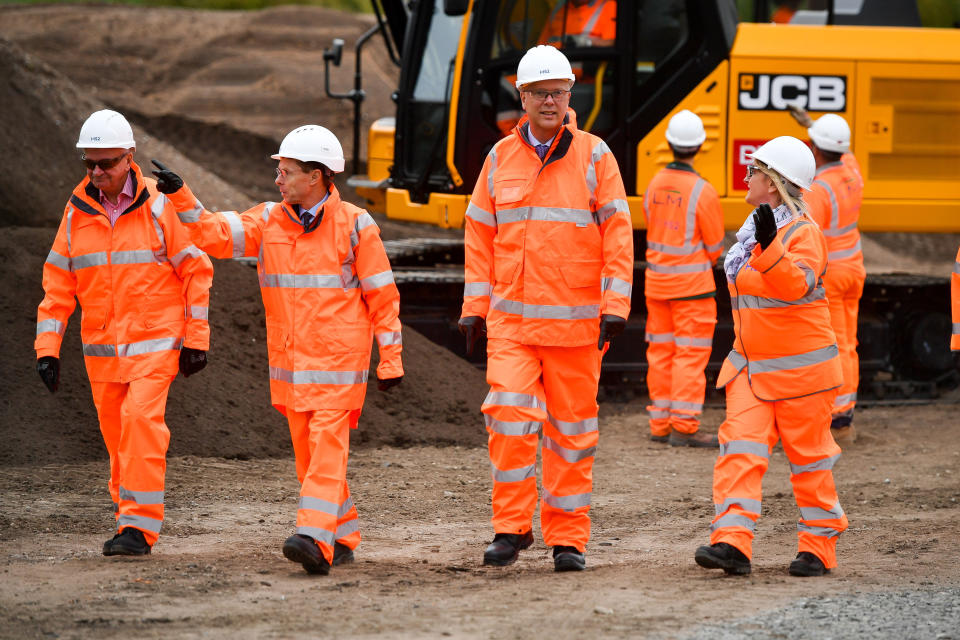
{"x": 212, "y": 94}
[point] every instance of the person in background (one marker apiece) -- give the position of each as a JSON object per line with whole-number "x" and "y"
{"x": 955, "y": 301}
{"x": 143, "y": 288}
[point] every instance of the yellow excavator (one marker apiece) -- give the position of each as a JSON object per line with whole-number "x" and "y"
{"x": 897, "y": 86}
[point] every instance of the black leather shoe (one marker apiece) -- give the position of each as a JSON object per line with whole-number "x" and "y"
{"x": 807, "y": 564}
{"x": 506, "y": 547}
{"x": 659, "y": 438}
{"x": 723, "y": 556}
{"x": 342, "y": 554}
{"x": 303, "y": 549}
{"x": 568, "y": 559}
{"x": 696, "y": 439}
{"x": 129, "y": 542}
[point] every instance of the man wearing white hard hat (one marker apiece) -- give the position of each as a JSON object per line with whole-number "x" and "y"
{"x": 143, "y": 287}
{"x": 684, "y": 238}
{"x": 549, "y": 271}
{"x": 782, "y": 375}
{"x": 328, "y": 292}
{"x": 834, "y": 202}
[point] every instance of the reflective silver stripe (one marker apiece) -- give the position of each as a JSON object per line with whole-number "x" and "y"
{"x": 567, "y": 503}
{"x": 613, "y": 207}
{"x": 658, "y": 337}
{"x": 345, "y": 507}
{"x": 588, "y": 27}
{"x": 662, "y": 403}
{"x": 140, "y": 256}
{"x": 544, "y": 214}
{"x": 680, "y": 268}
{"x": 158, "y": 204}
{"x": 658, "y": 414}
{"x": 156, "y": 209}
{"x": 816, "y": 513}
{"x": 671, "y": 250}
{"x": 58, "y": 260}
{"x": 744, "y": 447}
{"x": 692, "y": 211}
{"x": 51, "y": 325}
{"x": 191, "y": 215}
{"x": 300, "y": 281}
{"x": 477, "y": 214}
{"x": 197, "y": 312}
{"x": 736, "y": 360}
{"x": 321, "y": 535}
{"x": 149, "y": 346}
{"x": 317, "y": 504}
{"x": 141, "y": 522}
{"x": 389, "y": 337}
{"x": 574, "y": 428}
{"x": 492, "y": 156}
{"x": 363, "y": 221}
{"x": 693, "y": 342}
{"x": 823, "y": 532}
{"x": 844, "y": 398}
{"x": 236, "y": 233}
{"x": 318, "y": 377}
{"x": 376, "y": 281}
{"x": 346, "y": 528}
{"x": 572, "y": 456}
{"x": 95, "y": 259}
{"x": 188, "y": 252}
{"x": 101, "y": 350}
{"x": 757, "y": 302}
{"x": 477, "y": 289}
{"x": 956, "y": 267}
{"x": 616, "y": 285}
{"x": 785, "y": 363}
{"x": 545, "y": 311}
{"x": 834, "y": 207}
{"x": 734, "y": 520}
{"x": 845, "y": 253}
{"x": 809, "y": 276}
{"x": 715, "y": 247}
{"x": 590, "y": 176}
{"x": 69, "y": 230}
{"x": 747, "y": 504}
{"x": 793, "y": 229}
{"x": 510, "y": 399}
{"x": 833, "y": 233}
{"x": 956, "y": 328}
{"x": 686, "y": 406}
{"x": 820, "y": 465}
{"x": 513, "y": 475}
{"x": 511, "y": 428}
{"x": 142, "y": 497}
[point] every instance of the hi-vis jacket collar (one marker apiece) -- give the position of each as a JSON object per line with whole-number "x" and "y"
{"x": 561, "y": 143}
{"x": 92, "y": 205}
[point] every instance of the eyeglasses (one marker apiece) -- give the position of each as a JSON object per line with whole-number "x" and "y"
{"x": 105, "y": 164}
{"x": 540, "y": 95}
{"x": 752, "y": 169}
{"x": 282, "y": 173}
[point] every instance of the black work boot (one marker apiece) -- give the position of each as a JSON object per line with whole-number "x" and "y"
{"x": 696, "y": 439}
{"x": 506, "y": 547}
{"x": 568, "y": 559}
{"x": 656, "y": 438}
{"x": 723, "y": 556}
{"x": 303, "y": 549}
{"x": 807, "y": 564}
{"x": 129, "y": 542}
{"x": 342, "y": 554}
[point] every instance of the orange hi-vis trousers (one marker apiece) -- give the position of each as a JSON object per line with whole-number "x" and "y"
{"x": 747, "y": 437}
{"x": 679, "y": 336}
{"x": 553, "y": 390}
{"x": 844, "y": 287}
{"x": 321, "y": 444}
{"x": 133, "y": 429}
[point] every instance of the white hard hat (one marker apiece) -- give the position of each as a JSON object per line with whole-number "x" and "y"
{"x": 686, "y": 130}
{"x": 106, "y": 129}
{"x": 789, "y": 157}
{"x": 831, "y": 133}
{"x": 312, "y": 143}
{"x": 543, "y": 62}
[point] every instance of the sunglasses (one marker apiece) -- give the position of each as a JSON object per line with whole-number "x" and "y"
{"x": 752, "y": 169}
{"x": 105, "y": 164}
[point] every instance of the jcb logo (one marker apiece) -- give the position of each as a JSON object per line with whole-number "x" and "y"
{"x": 772, "y": 92}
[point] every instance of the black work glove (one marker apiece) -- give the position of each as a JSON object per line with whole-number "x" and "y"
{"x": 191, "y": 361}
{"x": 167, "y": 182}
{"x": 49, "y": 369}
{"x": 385, "y": 384}
{"x": 610, "y": 327}
{"x": 766, "y": 226}
{"x": 472, "y": 327}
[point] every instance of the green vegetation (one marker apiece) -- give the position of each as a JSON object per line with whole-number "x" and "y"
{"x": 362, "y": 6}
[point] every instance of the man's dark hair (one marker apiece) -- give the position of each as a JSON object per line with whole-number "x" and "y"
{"x": 307, "y": 167}
{"x": 830, "y": 156}
{"x": 684, "y": 154}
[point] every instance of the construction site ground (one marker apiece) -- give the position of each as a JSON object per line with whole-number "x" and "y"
{"x": 211, "y": 94}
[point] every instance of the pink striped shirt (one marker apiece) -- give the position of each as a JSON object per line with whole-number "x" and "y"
{"x": 124, "y": 200}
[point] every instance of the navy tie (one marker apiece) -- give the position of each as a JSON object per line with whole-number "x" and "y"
{"x": 542, "y": 150}
{"x": 306, "y": 218}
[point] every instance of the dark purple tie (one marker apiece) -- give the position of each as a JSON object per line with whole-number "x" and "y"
{"x": 542, "y": 150}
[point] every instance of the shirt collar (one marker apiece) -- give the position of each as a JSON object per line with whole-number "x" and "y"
{"x": 313, "y": 210}
{"x": 126, "y": 191}
{"x": 533, "y": 140}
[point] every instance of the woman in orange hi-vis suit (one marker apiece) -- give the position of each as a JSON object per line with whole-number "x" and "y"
{"x": 143, "y": 287}
{"x": 783, "y": 372}
{"x": 328, "y": 292}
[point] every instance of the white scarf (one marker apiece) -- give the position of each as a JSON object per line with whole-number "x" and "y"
{"x": 739, "y": 253}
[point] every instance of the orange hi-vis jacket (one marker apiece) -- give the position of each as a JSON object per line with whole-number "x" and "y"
{"x": 327, "y": 291}
{"x": 781, "y": 319}
{"x": 142, "y": 285}
{"x": 596, "y": 19}
{"x": 549, "y": 245}
{"x": 955, "y": 301}
{"x": 834, "y": 202}
{"x": 684, "y": 233}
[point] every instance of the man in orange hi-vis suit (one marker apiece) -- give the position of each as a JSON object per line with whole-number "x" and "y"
{"x": 834, "y": 204}
{"x": 684, "y": 237}
{"x": 328, "y": 291}
{"x": 143, "y": 288}
{"x": 581, "y": 23}
{"x": 549, "y": 270}
{"x": 783, "y": 372}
